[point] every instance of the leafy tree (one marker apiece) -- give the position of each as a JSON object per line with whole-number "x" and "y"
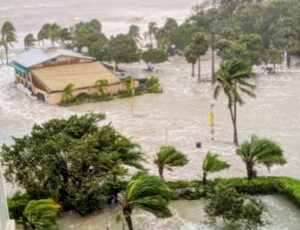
{"x": 64, "y": 36}
{"x": 232, "y": 79}
{"x": 29, "y": 41}
{"x": 237, "y": 211}
{"x": 200, "y": 45}
{"x": 101, "y": 85}
{"x": 123, "y": 49}
{"x": 54, "y": 33}
{"x": 134, "y": 33}
{"x": 41, "y": 214}
{"x": 260, "y": 151}
{"x": 274, "y": 57}
{"x": 98, "y": 49}
{"x": 154, "y": 56}
{"x": 86, "y": 33}
{"x": 68, "y": 92}
{"x": 74, "y": 161}
{"x": 163, "y": 35}
{"x": 212, "y": 164}
{"x": 191, "y": 57}
{"x": 148, "y": 193}
{"x": 8, "y": 37}
{"x": 152, "y": 29}
{"x": 169, "y": 157}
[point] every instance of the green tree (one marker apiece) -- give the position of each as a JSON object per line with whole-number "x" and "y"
{"x": 152, "y": 29}
{"x": 8, "y": 37}
{"x": 191, "y": 57}
{"x": 98, "y": 49}
{"x": 134, "y": 33}
{"x": 68, "y": 92}
{"x": 64, "y": 36}
{"x": 232, "y": 79}
{"x": 153, "y": 84}
{"x": 101, "y": 85}
{"x": 148, "y": 193}
{"x": 237, "y": 211}
{"x": 169, "y": 157}
{"x": 260, "y": 151}
{"x": 29, "y": 41}
{"x": 154, "y": 56}
{"x": 74, "y": 161}
{"x": 54, "y": 33}
{"x": 123, "y": 49}
{"x": 200, "y": 46}
{"x": 41, "y": 214}
{"x": 212, "y": 164}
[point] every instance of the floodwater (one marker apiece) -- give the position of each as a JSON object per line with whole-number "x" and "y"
{"x": 177, "y": 117}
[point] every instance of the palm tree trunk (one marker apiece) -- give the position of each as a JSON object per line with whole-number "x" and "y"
{"x": 288, "y": 60}
{"x": 6, "y": 53}
{"x": 204, "y": 180}
{"x": 250, "y": 171}
{"x": 193, "y": 70}
{"x": 212, "y": 65}
{"x": 235, "y": 133}
{"x": 199, "y": 69}
{"x": 161, "y": 172}
{"x": 127, "y": 215}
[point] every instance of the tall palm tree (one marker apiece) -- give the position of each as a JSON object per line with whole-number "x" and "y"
{"x": 101, "y": 85}
{"x": 54, "y": 34}
{"x": 169, "y": 157}
{"x": 8, "y": 36}
{"x": 232, "y": 77}
{"x": 212, "y": 164}
{"x": 29, "y": 41}
{"x": 68, "y": 92}
{"x": 148, "y": 193}
{"x": 41, "y": 214}
{"x": 260, "y": 151}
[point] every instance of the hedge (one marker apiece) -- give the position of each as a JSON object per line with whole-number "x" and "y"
{"x": 192, "y": 190}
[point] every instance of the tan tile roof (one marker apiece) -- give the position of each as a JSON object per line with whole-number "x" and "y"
{"x": 53, "y": 79}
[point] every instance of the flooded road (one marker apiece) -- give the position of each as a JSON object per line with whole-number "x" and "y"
{"x": 179, "y": 117}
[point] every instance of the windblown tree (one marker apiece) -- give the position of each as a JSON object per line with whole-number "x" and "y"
{"x": 68, "y": 92}
{"x": 64, "y": 37}
{"x": 74, "y": 161}
{"x": 123, "y": 49}
{"x": 154, "y": 56}
{"x": 212, "y": 164}
{"x": 148, "y": 193}
{"x": 152, "y": 29}
{"x": 260, "y": 151}
{"x": 169, "y": 157}
{"x": 101, "y": 85}
{"x": 41, "y": 214}
{"x": 232, "y": 79}
{"x": 134, "y": 33}
{"x": 29, "y": 41}
{"x": 8, "y": 37}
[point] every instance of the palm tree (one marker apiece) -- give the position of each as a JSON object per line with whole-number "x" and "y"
{"x": 101, "y": 85}
{"x": 54, "y": 34}
{"x": 148, "y": 193}
{"x": 8, "y": 36}
{"x": 29, "y": 41}
{"x": 41, "y": 214}
{"x": 212, "y": 164}
{"x": 260, "y": 151}
{"x": 134, "y": 33}
{"x": 232, "y": 77}
{"x": 169, "y": 157}
{"x": 64, "y": 35}
{"x": 152, "y": 29}
{"x": 68, "y": 92}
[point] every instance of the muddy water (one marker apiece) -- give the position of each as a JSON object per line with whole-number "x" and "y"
{"x": 179, "y": 117}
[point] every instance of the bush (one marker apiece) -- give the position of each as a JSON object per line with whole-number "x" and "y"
{"x": 288, "y": 187}
{"x": 154, "y": 85}
{"x": 16, "y": 205}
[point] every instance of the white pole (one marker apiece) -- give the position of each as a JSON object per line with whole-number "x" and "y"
{"x": 3, "y": 203}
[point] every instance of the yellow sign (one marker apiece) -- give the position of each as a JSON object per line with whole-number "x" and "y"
{"x": 211, "y": 119}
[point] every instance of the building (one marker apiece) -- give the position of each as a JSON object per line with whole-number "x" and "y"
{"x": 5, "y": 222}
{"x": 46, "y": 72}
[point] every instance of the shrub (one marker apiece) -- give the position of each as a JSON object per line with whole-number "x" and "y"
{"x": 16, "y": 205}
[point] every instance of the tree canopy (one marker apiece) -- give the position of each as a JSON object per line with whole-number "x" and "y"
{"x": 73, "y": 161}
